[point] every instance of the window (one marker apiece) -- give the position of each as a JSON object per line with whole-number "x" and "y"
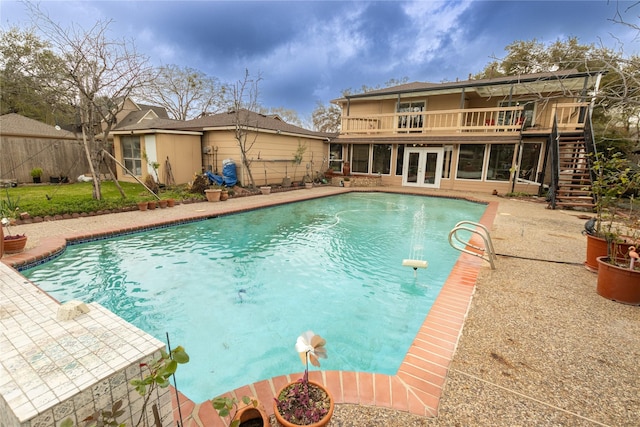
{"x": 400, "y": 159}
{"x": 529, "y": 161}
{"x": 131, "y": 154}
{"x": 525, "y": 115}
{"x": 500, "y": 160}
{"x": 381, "y": 159}
{"x": 360, "y": 159}
{"x": 470, "y": 161}
{"x": 335, "y": 157}
{"x": 410, "y": 121}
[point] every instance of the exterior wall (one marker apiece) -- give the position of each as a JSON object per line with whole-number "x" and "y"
{"x": 18, "y": 155}
{"x": 183, "y": 152}
{"x": 271, "y": 156}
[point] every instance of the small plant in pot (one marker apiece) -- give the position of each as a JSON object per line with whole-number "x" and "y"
{"x": 248, "y": 412}
{"x": 304, "y": 402}
{"x": 606, "y": 232}
{"x": 36, "y": 174}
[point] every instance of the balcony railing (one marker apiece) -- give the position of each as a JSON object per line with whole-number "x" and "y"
{"x": 503, "y": 119}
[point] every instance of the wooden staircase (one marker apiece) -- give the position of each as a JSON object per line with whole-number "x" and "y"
{"x": 574, "y": 181}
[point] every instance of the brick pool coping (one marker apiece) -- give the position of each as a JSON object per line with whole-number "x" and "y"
{"x": 416, "y": 387}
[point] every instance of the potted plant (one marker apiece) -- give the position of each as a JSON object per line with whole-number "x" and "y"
{"x": 619, "y": 278}
{"x": 305, "y": 402}
{"x": 266, "y": 189}
{"x": 249, "y": 412}
{"x": 11, "y": 243}
{"x": 143, "y": 205}
{"x": 346, "y": 181}
{"x": 607, "y": 232}
{"x": 224, "y": 194}
{"x": 213, "y": 193}
{"x": 36, "y": 174}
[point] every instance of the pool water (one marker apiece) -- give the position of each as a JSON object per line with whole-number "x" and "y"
{"x": 236, "y": 291}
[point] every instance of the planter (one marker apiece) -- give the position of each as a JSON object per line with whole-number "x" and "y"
{"x": 347, "y": 183}
{"x": 286, "y": 182}
{"x": 14, "y": 245}
{"x": 323, "y": 422}
{"x": 162, "y": 203}
{"x": 1, "y": 241}
{"x": 142, "y": 206}
{"x": 308, "y": 185}
{"x": 213, "y": 195}
{"x": 224, "y": 195}
{"x": 36, "y": 180}
{"x": 151, "y": 205}
{"x": 265, "y": 190}
{"x": 597, "y": 247}
{"x": 171, "y": 203}
{"x": 252, "y": 416}
{"x": 616, "y": 283}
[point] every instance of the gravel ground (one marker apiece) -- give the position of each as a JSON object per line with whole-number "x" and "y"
{"x": 539, "y": 346}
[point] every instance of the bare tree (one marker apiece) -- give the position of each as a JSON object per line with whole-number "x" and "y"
{"x": 245, "y": 105}
{"x": 326, "y": 118}
{"x": 103, "y": 72}
{"x": 185, "y": 92}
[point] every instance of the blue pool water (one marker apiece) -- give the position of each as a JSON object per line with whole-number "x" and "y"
{"x": 236, "y": 291}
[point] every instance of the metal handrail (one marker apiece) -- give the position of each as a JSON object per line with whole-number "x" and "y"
{"x": 488, "y": 253}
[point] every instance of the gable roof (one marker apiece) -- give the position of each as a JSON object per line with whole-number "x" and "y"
{"x": 224, "y": 121}
{"x": 496, "y": 86}
{"x": 17, "y": 125}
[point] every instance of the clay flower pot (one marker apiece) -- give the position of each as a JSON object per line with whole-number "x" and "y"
{"x": 618, "y": 283}
{"x": 143, "y": 206}
{"x": 213, "y": 195}
{"x": 14, "y": 244}
{"x": 162, "y": 203}
{"x": 318, "y": 387}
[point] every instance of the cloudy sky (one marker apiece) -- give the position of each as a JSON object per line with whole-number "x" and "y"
{"x": 309, "y": 51}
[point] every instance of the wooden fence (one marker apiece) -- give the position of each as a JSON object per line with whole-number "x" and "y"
{"x": 56, "y": 157}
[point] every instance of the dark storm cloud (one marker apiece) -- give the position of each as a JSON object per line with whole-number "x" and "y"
{"x": 310, "y": 51}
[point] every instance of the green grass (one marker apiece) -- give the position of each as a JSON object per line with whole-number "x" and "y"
{"x": 59, "y": 199}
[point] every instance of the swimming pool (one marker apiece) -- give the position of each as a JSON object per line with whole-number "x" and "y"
{"x": 236, "y": 291}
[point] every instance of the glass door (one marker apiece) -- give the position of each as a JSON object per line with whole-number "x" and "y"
{"x": 422, "y": 167}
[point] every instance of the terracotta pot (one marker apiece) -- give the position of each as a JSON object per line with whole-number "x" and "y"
{"x": 597, "y": 247}
{"x": 143, "y": 206}
{"x": 347, "y": 183}
{"x": 171, "y": 203}
{"x": 213, "y": 195}
{"x": 12, "y": 246}
{"x": 224, "y": 195}
{"x": 151, "y": 205}
{"x": 321, "y": 423}
{"x": 265, "y": 190}
{"x": 619, "y": 284}
{"x": 249, "y": 413}
{"x": 162, "y": 203}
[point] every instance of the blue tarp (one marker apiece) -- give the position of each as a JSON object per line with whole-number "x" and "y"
{"x": 228, "y": 178}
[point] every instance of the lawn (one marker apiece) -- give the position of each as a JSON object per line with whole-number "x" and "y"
{"x": 59, "y": 199}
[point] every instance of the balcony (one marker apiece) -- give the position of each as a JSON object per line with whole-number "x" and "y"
{"x": 471, "y": 120}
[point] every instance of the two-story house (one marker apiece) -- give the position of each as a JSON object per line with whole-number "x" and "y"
{"x": 474, "y": 135}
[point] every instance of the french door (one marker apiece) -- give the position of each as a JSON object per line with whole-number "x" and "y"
{"x": 422, "y": 167}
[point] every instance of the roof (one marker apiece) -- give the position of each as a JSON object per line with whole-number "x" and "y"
{"x": 17, "y": 125}
{"x": 550, "y": 81}
{"x": 223, "y": 121}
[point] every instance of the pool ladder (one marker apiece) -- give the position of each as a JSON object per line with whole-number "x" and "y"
{"x": 487, "y": 252}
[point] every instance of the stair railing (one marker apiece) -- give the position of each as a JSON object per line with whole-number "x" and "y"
{"x": 555, "y": 162}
